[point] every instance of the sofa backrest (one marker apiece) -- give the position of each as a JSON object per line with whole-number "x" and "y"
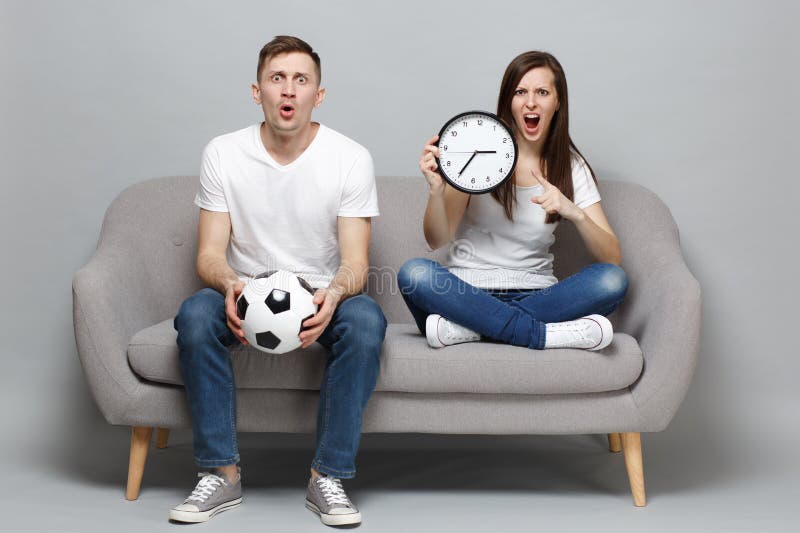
{"x": 156, "y": 220}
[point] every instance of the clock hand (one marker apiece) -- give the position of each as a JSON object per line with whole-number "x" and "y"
{"x": 468, "y": 162}
{"x": 485, "y": 151}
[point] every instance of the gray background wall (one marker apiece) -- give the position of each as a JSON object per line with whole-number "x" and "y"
{"x": 694, "y": 100}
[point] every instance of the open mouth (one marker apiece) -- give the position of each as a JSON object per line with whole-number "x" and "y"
{"x": 531, "y": 121}
{"x": 287, "y": 111}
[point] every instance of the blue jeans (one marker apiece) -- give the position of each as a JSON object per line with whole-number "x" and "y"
{"x": 353, "y": 338}
{"x": 515, "y": 317}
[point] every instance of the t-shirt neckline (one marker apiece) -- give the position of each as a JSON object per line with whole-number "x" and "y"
{"x": 283, "y": 168}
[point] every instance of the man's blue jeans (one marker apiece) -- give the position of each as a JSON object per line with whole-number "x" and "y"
{"x": 353, "y": 338}
{"x": 515, "y": 317}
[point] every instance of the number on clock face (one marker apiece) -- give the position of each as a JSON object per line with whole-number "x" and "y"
{"x": 476, "y": 152}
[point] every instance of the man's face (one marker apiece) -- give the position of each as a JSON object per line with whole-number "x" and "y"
{"x": 288, "y": 91}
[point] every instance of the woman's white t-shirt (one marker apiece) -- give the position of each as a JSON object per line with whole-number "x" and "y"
{"x": 285, "y": 216}
{"x": 491, "y": 252}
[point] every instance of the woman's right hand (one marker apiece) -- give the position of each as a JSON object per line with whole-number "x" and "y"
{"x": 429, "y": 168}
{"x": 232, "y": 292}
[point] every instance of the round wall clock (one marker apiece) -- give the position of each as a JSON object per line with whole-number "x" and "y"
{"x": 477, "y": 152}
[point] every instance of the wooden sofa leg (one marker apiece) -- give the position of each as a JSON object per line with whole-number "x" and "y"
{"x": 162, "y": 435}
{"x": 614, "y": 443}
{"x": 632, "y": 449}
{"x": 140, "y": 441}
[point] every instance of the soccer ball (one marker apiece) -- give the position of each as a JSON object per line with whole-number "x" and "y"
{"x": 272, "y": 308}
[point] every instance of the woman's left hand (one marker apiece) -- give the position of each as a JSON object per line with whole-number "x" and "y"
{"x": 554, "y": 201}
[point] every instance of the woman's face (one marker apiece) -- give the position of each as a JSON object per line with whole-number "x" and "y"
{"x": 533, "y": 106}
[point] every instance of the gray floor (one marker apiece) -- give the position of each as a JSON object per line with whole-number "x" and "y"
{"x": 727, "y": 462}
{"x": 420, "y": 483}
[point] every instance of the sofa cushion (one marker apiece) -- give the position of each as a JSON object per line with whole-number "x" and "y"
{"x": 409, "y": 365}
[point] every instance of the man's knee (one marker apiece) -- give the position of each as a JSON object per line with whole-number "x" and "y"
{"x": 364, "y": 321}
{"x": 197, "y": 315}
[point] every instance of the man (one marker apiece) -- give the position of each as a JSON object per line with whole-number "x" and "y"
{"x": 292, "y": 194}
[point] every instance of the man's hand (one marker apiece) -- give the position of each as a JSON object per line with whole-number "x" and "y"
{"x": 553, "y": 201}
{"x": 232, "y": 292}
{"x": 327, "y": 300}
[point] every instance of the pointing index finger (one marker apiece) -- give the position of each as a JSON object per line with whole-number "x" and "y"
{"x": 541, "y": 180}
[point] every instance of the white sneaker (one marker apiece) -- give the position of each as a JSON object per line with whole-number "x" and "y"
{"x": 441, "y": 332}
{"x": 593, "y": 332}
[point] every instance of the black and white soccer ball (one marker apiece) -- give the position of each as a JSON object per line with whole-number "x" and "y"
{"x": 272, "y": 308}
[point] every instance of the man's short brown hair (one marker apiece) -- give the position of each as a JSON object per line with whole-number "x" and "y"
{"x": 284, "y": 44}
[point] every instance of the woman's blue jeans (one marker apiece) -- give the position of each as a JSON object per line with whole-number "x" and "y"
{"x": 515, "y": 317}
{"x": 353, "y": 339}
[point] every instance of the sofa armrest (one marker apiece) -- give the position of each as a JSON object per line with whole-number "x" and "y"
{"x": 665, "y": 319}
{"x": 110, "y": 304}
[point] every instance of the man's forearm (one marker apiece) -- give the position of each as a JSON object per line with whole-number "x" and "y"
{"x": 349, "y": 280}
{"x": 216, "y": 272}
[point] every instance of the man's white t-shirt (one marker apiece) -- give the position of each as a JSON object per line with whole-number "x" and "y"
{"x": 285, "y": 216}
{"x": 492, "y": 252}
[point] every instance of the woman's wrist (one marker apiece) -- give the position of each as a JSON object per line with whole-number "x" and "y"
{"x": 578, "y": 217}
{"x": 436, "y": 191}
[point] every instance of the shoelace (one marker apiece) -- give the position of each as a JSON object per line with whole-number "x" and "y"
{"x": 578, "y": 331}
{"x": 205, "y": 487}
{"x": 332, "y": 490}
{"x": 580, "y": 325}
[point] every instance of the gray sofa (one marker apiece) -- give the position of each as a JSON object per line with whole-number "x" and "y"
{"x": 127, "y": 295}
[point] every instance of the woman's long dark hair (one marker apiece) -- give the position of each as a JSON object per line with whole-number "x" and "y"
{"x": 558, "y": 148}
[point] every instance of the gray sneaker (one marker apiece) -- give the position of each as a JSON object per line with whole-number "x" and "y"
{"x": 327, "y": 498}
{"x": 213, "y": 494}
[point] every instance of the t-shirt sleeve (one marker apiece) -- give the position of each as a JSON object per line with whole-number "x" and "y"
{"x": 360, "y": 194}
{"x": 211, "y": 194}
{"x": 583, "y": 185}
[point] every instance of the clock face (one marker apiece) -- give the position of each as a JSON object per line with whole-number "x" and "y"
{"x": 477, "y": 152}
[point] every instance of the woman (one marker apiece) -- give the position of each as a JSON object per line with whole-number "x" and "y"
{"x": 499, "y": 280}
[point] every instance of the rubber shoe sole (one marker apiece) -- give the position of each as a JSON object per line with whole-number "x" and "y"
{"x": 334, "y": 519}
{"x": 606, "y": 331}
{"x": 432, "y": 331}
{"x": 203, "y": 516}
